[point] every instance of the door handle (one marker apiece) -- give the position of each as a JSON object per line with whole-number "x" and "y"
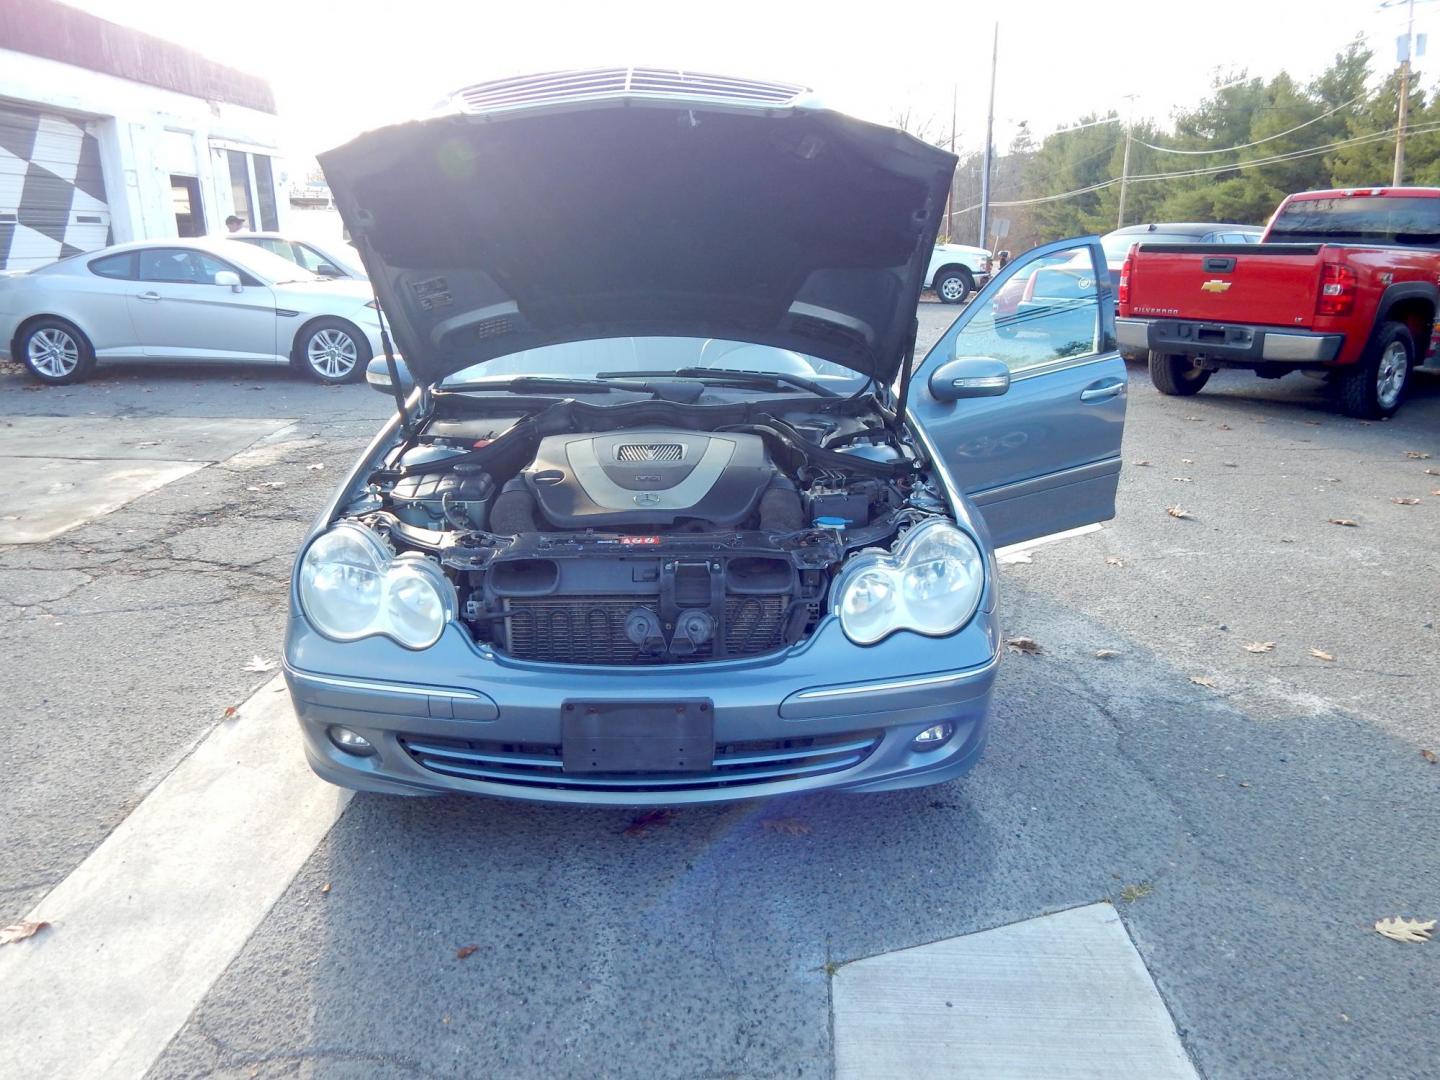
{"x": 1102, "y": 393}
{"x": 151, "y": 296}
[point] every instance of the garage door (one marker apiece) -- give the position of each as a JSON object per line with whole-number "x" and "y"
{"x": 52, "y": 194}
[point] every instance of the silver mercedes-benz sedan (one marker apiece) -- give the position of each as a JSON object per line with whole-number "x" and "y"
{"x": 196, "y": 300}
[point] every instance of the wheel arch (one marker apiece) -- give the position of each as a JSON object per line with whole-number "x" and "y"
{"x": 951, "y": 266}
{"x": 311, "y": 320}
{"x": 31, "y": 320}
{"x": 1413, "y": 303}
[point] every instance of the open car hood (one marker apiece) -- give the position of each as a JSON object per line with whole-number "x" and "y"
{"x": 636, "y": 203}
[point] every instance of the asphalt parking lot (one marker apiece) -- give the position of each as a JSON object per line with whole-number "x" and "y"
{"x": 1250, "y": 813}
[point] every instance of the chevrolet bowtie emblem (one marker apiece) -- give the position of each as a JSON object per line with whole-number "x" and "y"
{"x": 1215, "y": 285}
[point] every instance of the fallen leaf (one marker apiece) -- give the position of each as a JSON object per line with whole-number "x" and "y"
{"x": 1187, "y": 461}
{"x": 1416, "y": 455}
{"x": 1435, "y": 492}
{"x": 1182, "y": 479}
{"x": 1411, "y": 930}
{"x": 259, "y": 663}
{"x": 1131, "y": 893}
{"x": 1105, "y": 654}
{"x": 1222, "y": 427}
{"x": 1141, "y": 462}
{"x": 325, "y": 888}
{"x": 1321, "y": 654}
{"x": 1229, "y": 464}
{"x": 1244, "y": 783}
{"x": 651, "y": 819}
{"x": 147, "y": 442}
{"x": 1176, "y": 512}
{"x": 788, "y": 826}
{"x": 1332, "y": 479}
{"x": 1432, "y": 472}
{"x": 25, "y": 928}
{"x": 1406, "y": 502}
{"x": 1114, "y": 560}
{"x": 1345, "y": 521}
{"x": 1430, "y": 756}
{"x": 1313, "y": 423}
{"x": 316, "y": 467}
{"x": 1193, "y": 418}
{"x": 230, "y": 712}
{"x": 1205, "y": 680}
{"x": 1026, "y": 645}
{"x": 1259, "y": 646}
{"x": 466, "y": 951}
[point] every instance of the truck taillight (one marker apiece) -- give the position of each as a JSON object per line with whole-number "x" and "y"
{"x": 1337, "y": 290}
{"x": 1122, "y": 293}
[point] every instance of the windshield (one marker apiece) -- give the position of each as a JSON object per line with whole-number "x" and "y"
{"x": 1386, "y": 220}
{"x": 263, "y": 263}
{"x": 586, "y": 359}
{"x": 1118, "y": 245}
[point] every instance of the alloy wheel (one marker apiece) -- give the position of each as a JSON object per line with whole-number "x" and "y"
{"x": 53, "y": 352}
{"x": 952, "y": 288}
{"x": 331, "y": 353}
{"x": 1391, "y": 374}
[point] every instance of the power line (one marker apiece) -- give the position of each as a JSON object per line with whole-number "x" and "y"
{"x": 1211, "y": 170}
{"x": 1257, "y": 142}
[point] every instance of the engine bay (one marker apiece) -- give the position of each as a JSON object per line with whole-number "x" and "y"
{"x": 648, "y": 532}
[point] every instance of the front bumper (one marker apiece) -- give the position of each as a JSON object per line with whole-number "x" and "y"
{"x": 1228, "y": 343}
{"x": 785, "y": 723}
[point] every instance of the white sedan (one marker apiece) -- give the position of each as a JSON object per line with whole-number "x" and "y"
{"x": 198, "y": 300}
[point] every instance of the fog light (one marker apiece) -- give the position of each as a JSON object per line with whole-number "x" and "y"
{"x": 351, "y": 742}
{"x": 933, "y": 737}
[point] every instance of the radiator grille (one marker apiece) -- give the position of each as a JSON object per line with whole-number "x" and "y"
{"x": 649, "y": 452}
{"x": 591, "y": 629}
{"x": 558, "y": 86}
{"x": 735, "y": 764}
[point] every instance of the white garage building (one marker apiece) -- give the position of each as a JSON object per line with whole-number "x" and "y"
{"x": 108, "y": 134}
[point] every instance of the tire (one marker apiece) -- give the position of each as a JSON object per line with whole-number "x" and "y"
{"x": 954, "y": 284}
{"x": 1378, "y": 385}
{"x": 55, "y": 352}
{"x": 1175, "y": 374}
{"x": 331, "y": 351}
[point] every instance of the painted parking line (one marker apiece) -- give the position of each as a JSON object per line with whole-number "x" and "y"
{"x": 1019, "y": 552}
{"x": 1061, "y": 997}
{"x": 143, "y": 927}
{"x": 63, "y": 471}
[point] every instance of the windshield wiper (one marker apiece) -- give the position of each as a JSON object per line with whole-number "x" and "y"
{"x": 539, "y": 384}
{"x": 771, "y": 380}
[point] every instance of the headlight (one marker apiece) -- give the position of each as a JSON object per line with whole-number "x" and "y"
{"x": 931, "y": 583}
{"x": 352, "y": 587}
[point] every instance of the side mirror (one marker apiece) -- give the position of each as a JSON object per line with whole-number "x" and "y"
{"x": 377, "y": 374}
{"x": 969, "y": 377}
{"x": 228, "y": 277}
{"x": 328, "y": 270}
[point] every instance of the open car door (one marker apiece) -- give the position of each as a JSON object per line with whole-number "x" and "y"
{"x": 1024, "y": 396}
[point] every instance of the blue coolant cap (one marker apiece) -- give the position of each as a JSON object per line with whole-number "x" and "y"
{"x": 831, "y": 522}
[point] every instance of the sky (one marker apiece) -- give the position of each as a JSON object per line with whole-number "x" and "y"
{"x": 338, "y": 68}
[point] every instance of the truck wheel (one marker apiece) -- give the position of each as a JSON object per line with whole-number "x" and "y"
{"x": 954, "y": 284}
{"x": 1176, "y": 375}
{"x": 1378, "y": 384}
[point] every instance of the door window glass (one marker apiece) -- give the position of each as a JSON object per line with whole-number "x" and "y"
{"x": 180, "y": 265}
{"x": 309, "y": 258}
{"x": 115, "y": 266}
{"x": 265, "y": 192}
{"x": 1046, "y": 309}
{"x": 240, "y": 187}
{"x": 189, "y": 213}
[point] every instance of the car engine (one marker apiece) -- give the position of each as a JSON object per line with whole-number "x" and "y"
{"x": 645, "y": 543}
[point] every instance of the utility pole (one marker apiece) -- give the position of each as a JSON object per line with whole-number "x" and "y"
{"x": 950, "y": 198}
{"x": 1399, "y": 177}
{"x": 989, "y": 139}
{"x": 1125, "y": 164}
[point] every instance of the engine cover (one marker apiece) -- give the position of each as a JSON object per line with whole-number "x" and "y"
{"x": 648, "y": 477}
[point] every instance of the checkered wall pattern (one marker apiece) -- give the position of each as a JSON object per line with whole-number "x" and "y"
{"x": 52, "y": 192}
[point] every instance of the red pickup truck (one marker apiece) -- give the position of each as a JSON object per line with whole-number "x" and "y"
{"x": 1344, "y": 284}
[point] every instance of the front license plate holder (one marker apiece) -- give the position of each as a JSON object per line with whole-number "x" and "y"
{"x": 638, "y": 736}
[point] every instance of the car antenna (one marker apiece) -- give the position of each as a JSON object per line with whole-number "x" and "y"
{"x": 391, "y": 366}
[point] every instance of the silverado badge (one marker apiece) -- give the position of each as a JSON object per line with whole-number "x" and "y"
{"x": 1215, "y": 285}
